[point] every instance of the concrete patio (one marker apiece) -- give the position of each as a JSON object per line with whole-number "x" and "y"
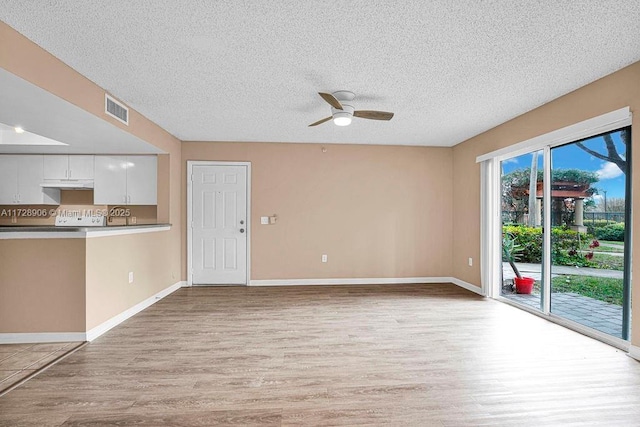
{"x": 590, "y": 312}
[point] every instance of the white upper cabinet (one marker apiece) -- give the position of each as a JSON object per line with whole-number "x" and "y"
{"x": 8, "y": 180}
{"x": 81, "y": 167}
{"x": 110, "y": 180}
{"x": 125, "y": 180}
{"x": 20, "y": 179}
{"x": 70, "y": 167}
{"x": 142, "y": 180}
{"x": 29, "y": 179}
{"x": 56, "y": 167}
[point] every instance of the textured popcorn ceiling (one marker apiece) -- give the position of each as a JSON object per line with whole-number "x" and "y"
{"x": 231, "y": 70}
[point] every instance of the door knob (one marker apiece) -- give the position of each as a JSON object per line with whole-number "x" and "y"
{"x": 242, "y": 230}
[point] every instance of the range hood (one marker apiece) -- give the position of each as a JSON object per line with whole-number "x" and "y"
{"x": 67, "y": 184}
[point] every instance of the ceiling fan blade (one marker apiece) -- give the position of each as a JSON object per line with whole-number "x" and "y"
{"x": 373, "y": 115}
{"x": 319, "y": 122}
{"x": 331, "y": 100}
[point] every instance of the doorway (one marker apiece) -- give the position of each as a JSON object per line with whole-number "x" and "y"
{"x": 218, "y": 222}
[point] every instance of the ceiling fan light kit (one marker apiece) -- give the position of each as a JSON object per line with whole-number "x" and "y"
{"x": 342, "y": 117}
{"x": 342, "y": 112}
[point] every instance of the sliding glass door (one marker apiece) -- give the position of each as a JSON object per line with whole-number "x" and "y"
{"x": 589, "y": 184}
{"x": 564, "y": 211}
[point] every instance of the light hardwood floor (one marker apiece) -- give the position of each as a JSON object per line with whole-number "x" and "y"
{"x": 424, "y": 355}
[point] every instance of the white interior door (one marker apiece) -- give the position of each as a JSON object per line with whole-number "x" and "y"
{"x": 219, "y": 224}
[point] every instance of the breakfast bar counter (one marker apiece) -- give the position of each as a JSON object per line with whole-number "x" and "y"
{"x": 74, "y": 283}
{"x": 53, "y": 232}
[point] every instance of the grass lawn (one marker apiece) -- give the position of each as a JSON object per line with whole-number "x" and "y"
{"x": 600, "y": 288}
{"x": 610, "y": 246}
{"x": 608, "y": 262}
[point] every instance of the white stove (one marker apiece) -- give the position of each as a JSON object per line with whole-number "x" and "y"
{"x": 70, "y": 219}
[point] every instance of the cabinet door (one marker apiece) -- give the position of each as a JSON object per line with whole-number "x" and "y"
{"x": 142, "y": 180}
{"x": 110, "y": 180}
{"x": 56, "y": 167}
{"x": 8, "y": 180}
{"x": 30, "y": 169}
{"x": 80, "y": 167}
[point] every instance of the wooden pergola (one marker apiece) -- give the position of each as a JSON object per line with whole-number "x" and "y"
{"x": 560, "y": 192}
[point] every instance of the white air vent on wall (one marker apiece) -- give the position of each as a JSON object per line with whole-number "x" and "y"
{"x": 116, "y": 109}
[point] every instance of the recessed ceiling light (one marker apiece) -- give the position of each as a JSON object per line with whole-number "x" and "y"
{"x": 18, "y": 129}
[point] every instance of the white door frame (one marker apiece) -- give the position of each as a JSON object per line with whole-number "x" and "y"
{"x": 190, "y": 165}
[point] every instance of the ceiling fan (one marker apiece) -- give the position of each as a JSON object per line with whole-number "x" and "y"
{"x": 342, "y": 111}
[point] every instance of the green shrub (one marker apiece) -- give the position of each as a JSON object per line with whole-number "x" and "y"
{"x": 565, "y": 245}
{"x": 529, "y": 239}
{"x": 592, "y": 226}
{"x": 613, "y": 232}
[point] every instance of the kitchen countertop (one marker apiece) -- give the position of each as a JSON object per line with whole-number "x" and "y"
{"x": 52, "y": 232}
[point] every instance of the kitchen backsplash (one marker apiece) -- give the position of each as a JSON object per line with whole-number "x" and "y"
{"x": 75, "y": 200}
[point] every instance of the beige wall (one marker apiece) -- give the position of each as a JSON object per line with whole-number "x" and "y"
{"x": 73, "y": 200}
{"x": 109, "y": 261}
{"x": 25, "y": 59}
{"x": 42, "y": 285}
{"x": 376, "y": 211}
{"x": 615, "y": 91}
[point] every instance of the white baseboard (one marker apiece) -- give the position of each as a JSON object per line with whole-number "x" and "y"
{"x": 468, "y": 286}
{"x": 19, "y": 338}
{"x": 353, "y": 281}
{"x": 44, "y": 337}
{"x": 634, "y": 351}
{"x": 41, "y": 337}
{"x": 116, "y": 320}
{"x": 368, "y": 281}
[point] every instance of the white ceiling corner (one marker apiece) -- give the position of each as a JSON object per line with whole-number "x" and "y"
{"x": 250, "y": 71}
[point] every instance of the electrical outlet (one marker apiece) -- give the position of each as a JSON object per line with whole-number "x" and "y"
{"x": 131, "y": 277}
{"x": 134, "y": 220}
{"x": 14, "y": 220}
{"x": 470, "y": 262}
{"x": 324, "y": 258}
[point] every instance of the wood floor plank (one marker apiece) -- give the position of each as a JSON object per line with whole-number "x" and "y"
{"x": 424, "y": 355}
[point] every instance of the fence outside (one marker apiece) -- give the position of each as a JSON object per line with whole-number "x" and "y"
{"x": 589, "y": 217}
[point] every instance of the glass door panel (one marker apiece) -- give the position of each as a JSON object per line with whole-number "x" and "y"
{"x": 589, "y": 204}
{"x": 522, "y": 234}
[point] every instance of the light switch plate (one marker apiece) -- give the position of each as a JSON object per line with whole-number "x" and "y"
{"x": 264, "y": 220}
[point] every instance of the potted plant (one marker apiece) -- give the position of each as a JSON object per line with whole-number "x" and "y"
{"x": 511, "y": 252}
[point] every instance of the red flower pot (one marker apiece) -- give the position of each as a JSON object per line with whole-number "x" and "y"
{"x": 524, "y": 285}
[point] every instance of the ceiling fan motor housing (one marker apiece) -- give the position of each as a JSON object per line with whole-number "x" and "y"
{"x": 344, "y": 96}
